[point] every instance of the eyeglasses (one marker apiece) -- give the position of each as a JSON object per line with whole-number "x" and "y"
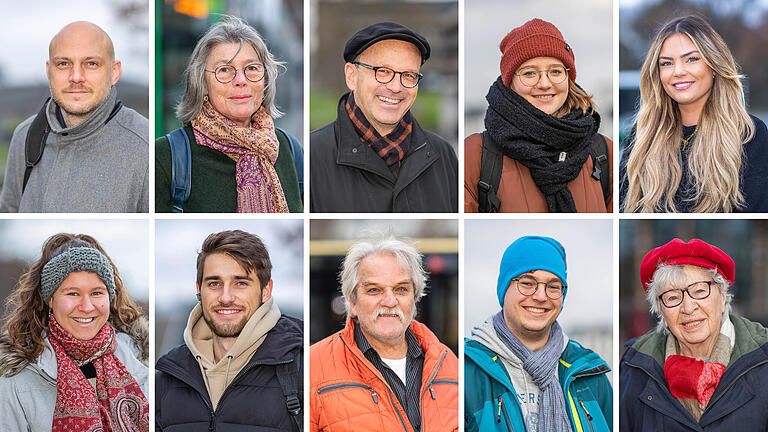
{"x": 697, "y": 291}
{"x": 384, "y": 75}
{"x": 530, "y": 76}
{"x": 226, "y": 73}
{"x": 528, "y": 286}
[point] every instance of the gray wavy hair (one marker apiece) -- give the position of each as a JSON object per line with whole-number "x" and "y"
{"x": 668, "y": 276}
{"x": 407, "y": 255}
{"x": 229, "y": 30}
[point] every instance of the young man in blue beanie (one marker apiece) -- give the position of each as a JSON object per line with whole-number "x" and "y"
{"x": 521, "y": 371}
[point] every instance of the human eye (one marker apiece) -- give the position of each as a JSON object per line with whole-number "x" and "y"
{"x": 253, "y": 67}
{"x": 384, "y": 72}
{"x": 224, "y": 69}
{"x": 527, "y": 283}
{"x": 556, "y": 71}
{"x": 671, "y": 296}
{"x": 665, "y": 63}
{"x": 693, "y": 59}
{"x": 555, "y": 286}
{"x": 62, "y": 64}
{"x": 92, "y": 64}
{"x": 214, "y": 284}
{"x": 373, "y": 290}
{"x": 530, "y": 73}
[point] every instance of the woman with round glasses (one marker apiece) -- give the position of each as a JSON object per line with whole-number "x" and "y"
{"x": 540, "y": 151}
{"x": 239, "y": 160}
{"x": 702, "y": 368}
{"x": 694, "y": 147}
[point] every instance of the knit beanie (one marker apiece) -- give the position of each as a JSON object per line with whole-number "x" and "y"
{"x": 74, "y": 260}
{"x": 536, "y": 38}
{"x": 531, "y": 253}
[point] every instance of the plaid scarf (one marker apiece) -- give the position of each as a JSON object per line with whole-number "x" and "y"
{"x": 255, "y": 151}
{"x": 391, "y": 148}
{"x": 117, "y": 404}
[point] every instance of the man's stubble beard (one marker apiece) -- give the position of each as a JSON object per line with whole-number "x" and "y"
{"x": 227, "y": 330}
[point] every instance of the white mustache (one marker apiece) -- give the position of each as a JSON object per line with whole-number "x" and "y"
{"x": 389, "y": 311}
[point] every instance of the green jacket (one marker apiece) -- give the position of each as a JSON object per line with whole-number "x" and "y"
{"x": 213, "y": 178}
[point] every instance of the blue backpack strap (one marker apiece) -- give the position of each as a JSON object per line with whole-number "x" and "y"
{"x": 181, "y": 168}
{"x": 298, "y": 158}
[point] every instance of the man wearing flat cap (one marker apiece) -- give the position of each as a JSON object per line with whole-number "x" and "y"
{"x": 375, "y": 157}
{"x": 521, "y": 372}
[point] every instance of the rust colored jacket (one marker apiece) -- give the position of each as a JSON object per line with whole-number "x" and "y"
{"x": 348, "y": 393}
{"x": 519, "y": 194}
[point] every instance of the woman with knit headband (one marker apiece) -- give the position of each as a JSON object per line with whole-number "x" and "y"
{"x": 541, "y": 134}
{"x": 703, "y": 368}
{"x": 239, "y": 161}
{"x": 73, "y": 346}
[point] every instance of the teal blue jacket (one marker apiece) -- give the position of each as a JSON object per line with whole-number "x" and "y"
{"x": 490, "y": 399}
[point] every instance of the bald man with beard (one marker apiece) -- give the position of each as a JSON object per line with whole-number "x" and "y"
{"x": 95, "y": 155}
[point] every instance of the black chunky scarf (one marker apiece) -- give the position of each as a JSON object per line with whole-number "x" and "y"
{"x": 536, "y": 139}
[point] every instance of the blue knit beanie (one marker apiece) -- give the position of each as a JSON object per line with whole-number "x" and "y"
{"x": 531, "y": 253}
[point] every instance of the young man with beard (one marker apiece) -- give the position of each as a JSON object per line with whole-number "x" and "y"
{"x": 384, "y": 371}
{"x": 239, "y": 353}
{"x": 96, "y": 151}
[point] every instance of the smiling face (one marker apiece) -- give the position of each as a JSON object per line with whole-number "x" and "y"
{"x": 384, "y": 104}
{"x": 385, "y": 304}
{"x": 238, "y": 99}
{"x": 81, "y": 69}
{"x": 696, "y": 323}
{"x": 685, "y": 76}
{"x": 545, "y": 95}
{"x": 81, "y": 304}
{"x": 530, "y": 317}
{"x": 229, "y": 295}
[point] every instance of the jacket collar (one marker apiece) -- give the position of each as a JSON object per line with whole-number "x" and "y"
{"x": 90, "y": 125}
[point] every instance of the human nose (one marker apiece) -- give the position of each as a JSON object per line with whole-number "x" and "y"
{"x": 395, "y": 85}
{"x": 689, "y": 305}
{"x": 544, "y": 81}
{"x": 679, "y": 68}
{"x": 85, "y": 305}
{"x": 225, "y": 296}
{"x": 389, "y": 299}
{"x": 77, "y": 74}
{"x": 540, "y": 294}
{"x": 239, "y": 78}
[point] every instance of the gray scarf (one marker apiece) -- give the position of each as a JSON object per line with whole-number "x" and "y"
{"x": 542, "y": 367}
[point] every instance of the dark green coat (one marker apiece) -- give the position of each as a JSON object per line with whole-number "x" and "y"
{"x": 213, "y": 178}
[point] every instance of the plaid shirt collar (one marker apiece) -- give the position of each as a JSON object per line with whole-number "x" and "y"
{"x": 392, "y": 147}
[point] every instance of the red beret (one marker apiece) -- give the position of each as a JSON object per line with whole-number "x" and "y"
{"x": 696, "y": 252}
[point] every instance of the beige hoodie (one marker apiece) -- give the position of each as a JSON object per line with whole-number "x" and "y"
{"x": 199, "y": 338}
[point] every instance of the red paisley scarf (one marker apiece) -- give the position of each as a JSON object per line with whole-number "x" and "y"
{"x": 254, "y": 149}
{"x": 117, "y": 405}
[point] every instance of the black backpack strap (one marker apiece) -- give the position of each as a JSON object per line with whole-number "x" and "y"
{"x": 34, "y": 146}
{"x": 298, "y": 159}
{"x": 181, "y": 168}
{"x": 598, "y": 149}
{"x": 288, "y": 376}
{"x": 490, "y": 176}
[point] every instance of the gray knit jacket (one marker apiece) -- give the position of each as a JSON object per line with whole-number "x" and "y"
{"x": 89, "y": 168}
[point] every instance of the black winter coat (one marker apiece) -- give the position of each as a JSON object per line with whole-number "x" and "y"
{"x": 348, "y": 176}
{"x": 254, "y": 400}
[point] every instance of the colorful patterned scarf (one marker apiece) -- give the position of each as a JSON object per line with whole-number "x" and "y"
{"x": 255, "y": 151}
{"x": 391, "y": 148}
{"x": 117, "y": 404}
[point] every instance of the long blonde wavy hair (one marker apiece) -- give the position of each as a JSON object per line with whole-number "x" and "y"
{"x": 653, "y": 167}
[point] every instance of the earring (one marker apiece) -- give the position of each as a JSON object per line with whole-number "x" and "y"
{"x": 205, "y": 98}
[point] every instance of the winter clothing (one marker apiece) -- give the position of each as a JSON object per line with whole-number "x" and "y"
{"x": 536, "y": 38}
{"x": 499, "y": 395}
{"x": 368, "y": 36}
{"x": 92, "y": 167}
{"x": 738, "y": 402}
{"x": 696, "y": 252}
{"x": 254, "y": 150}
{"x": 347, "y": 393}
{"x": 195, "y": 394}
{"x": 348, "y": 176}
{"x": 74, "y": 260}
{"x": 531, "y": 253}
{"x": 29, "y": 397}
{"x": 753, "y": 176}
{"x": 214, "y": 186}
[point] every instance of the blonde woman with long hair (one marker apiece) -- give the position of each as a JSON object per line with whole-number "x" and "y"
{"x": 694, "y": 147}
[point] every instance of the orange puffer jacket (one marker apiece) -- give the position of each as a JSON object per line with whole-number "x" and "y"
{"x": 348, "y": 393}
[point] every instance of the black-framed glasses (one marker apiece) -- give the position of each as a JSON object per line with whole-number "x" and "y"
{"x": 527, "y": 286}
{"x": 226, "y": 73}
{"x": 384, "y": 75}
{"x": 697, "y": 291}
{"x": 529, "y": 77}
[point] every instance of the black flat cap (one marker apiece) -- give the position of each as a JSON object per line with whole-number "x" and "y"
{"x": 383, "y": 31}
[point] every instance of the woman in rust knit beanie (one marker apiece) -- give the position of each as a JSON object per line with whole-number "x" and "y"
{"x": 545, "y": 127}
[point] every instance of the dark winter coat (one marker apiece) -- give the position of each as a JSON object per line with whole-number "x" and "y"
{"x": 348, "y": 176}
{"x": 254, "y": 400}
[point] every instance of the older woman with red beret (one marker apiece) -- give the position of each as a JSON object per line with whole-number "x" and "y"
{"x": 702, "y": 368}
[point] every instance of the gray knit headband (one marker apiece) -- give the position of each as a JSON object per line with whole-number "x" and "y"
{"x": 74, "y": 260}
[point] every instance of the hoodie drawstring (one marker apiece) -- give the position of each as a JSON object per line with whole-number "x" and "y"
{"x": 229, "y": 362}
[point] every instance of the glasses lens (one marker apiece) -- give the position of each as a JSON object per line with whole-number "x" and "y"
{"x": 557, "y": 74}
{"x": 384, "y": 75}
{"x": 527, "y": 286}
{"x": 699, "y": 290}
{"x": 254, "y": 72}
{"x": 225, "y": 73}
{"x": 554, "y": 290}
{"x": 409, "y": 79}
{"x": 672, "y": 298}
{"x": 529, "y": 77}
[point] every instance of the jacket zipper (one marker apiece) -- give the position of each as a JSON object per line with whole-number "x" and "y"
{"x": 506, "y": 415}
{"x": 732, "y": 383}
{"x": 589, "y": 416}
{"x": 429, "y": 386}
{"x": 332, "y": 387}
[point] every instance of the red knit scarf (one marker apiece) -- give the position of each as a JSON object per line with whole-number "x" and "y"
{"x": 393, "y": 146}
{"x": 689, "y": 378}
{"x": 117, "y": 404}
